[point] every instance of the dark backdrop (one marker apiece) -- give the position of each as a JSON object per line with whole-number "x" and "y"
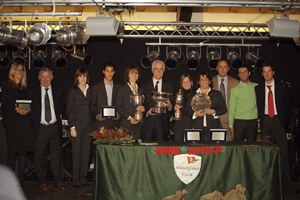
{"x": 284, "y": 57}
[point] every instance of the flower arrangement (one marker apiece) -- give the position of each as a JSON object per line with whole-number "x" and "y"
{"x": 110, "y": 136}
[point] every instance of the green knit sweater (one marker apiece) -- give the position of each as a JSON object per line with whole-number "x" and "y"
{"x": 242, "y": 103}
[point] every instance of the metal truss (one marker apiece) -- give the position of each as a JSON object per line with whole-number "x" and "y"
{"x": 194, "y": 30}
{"x": 186, "y": 3}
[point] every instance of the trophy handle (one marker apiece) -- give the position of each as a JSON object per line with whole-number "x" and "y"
{"x": 143, "y": 97}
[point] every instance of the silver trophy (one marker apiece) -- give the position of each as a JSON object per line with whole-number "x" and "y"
{"x": 179, "y": 101}
{"x": 160, "y": 98}
{"x": 137, "y": 100}
{"x": 200, "y": 102}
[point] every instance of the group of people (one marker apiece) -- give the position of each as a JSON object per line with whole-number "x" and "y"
{"x": 235, "y": 105}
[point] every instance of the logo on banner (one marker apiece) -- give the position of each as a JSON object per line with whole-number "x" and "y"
{"x": 187, "y": 167}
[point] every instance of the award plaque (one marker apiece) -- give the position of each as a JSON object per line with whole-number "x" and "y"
{"x": 108, "y": 112}
{"x": 200, "y": 102}
{"x": 193, "y": 135}
{"x": 160, "y": 98}
{"x": 218, "y": 135}
{"x": 24, "y": 104}
{"x": 137, "y": 100}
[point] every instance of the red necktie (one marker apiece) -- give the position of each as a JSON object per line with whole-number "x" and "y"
{"x": 270, "y": 102}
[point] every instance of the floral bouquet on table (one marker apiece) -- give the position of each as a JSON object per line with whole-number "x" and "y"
{"x": 110, "y": 136}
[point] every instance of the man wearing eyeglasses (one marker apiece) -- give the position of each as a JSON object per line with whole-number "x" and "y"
{"x": 242, "y": 110}
{"x": 274, "y": 103}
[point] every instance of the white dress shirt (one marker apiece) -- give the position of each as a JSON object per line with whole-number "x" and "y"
{"x": 159, "y": 86}
{"x": 225, "y": 82}
{"x": 53, "y": 117}
{"x": 109, "y": 90}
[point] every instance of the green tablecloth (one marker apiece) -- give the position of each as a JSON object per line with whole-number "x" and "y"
{"x": 147, "y": 172}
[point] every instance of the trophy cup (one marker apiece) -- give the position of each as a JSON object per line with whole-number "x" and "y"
{"x": 137, "y": 100}
{"x": 160, "y": 98}
{"x": 178, "y": 101}
{"x": 200, "y": 102}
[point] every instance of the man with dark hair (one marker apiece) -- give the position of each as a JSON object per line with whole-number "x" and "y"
{"x": 242, "y": 110}
{"x": 48, "y": 104}
{"x": 223, "y": 82}
{"x": 274, "y": 103}
{"x": 157, "y": 126}
{"x": 104, "y": 94}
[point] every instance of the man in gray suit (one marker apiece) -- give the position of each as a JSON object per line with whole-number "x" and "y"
{"x": 104, "y": 94}
{"x": 223, "y": 82}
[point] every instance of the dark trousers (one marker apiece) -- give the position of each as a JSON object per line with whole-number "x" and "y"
{"x": 81, "y": 154}
{"x": 155, "y": 129}
{"x": 274, "y": 128}
{"x": 48, "y": 136}
{"x": 180, "y": 126}
{"x": 245, "y": 129}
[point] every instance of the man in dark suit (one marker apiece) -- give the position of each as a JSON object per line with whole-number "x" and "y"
{"x": 104, "y": 94}
{"x": 274, "y": 103}
{"x": 47, "y": 104}
{"x": 223, "y": 82}
{"x": 157, "y": 125}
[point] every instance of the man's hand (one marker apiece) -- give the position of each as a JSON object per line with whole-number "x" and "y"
{"x": 210, "y": 111}
{"x": 168, "y": 104}
{"x": 73, "y": 132}
{"x": 99, "y": 118}
{"x": 231, "y": 131}
{"x": 118, "y": 117}
{"x": 200, "y": 113}
{"x": 140, "y": 108}
{"x": 177, "y": 107}
{"x": 132, "y": 120}
{"x": 149, "y": 112}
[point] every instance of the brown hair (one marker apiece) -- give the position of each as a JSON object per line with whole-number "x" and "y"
{"x": 128, "y": 69}
{"x": 207, "y": 74}
{"x": 79, "y": 72}
{"x": 182, "y": 77}
{"x": 13, "y": 70}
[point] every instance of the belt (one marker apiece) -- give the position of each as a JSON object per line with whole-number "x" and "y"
{"x": 47, "y": 125}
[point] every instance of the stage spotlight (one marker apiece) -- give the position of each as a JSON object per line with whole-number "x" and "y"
{"x": 14, "y": 38}
{"x": 59, "y": 59}
{"x": 38, "y": 57}
{"x": 147, "y": 60}
{"x": 193, "y": 59}
{"x": 172, "y": 60}
{"x": 4, "y": 60}
{"x": 39, "y": 34}
{"x": 212, "y": 59}
{"x": 19, "y": 56}
{"x": 65, "y": 36}
{"x": 283, "y": 27}
{"x": 255, "y": 60}
{"x": 86, "y": 59}
{"x": 234, "y": 60}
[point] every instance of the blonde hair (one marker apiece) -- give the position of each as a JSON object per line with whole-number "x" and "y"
{"x": 13, "y": 70}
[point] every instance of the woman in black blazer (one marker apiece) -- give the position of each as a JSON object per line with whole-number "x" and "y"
{"x": 208, "y": 119}
{"x": 125, "y": 108}
{"x": 16, "y": 120}
{"x": 186, "y": 87}
{"x": 81, "y": 124}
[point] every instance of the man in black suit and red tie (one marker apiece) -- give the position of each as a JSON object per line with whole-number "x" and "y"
{"x": 48, "y": 103}
{"x": 274, "y": 103}
{"x": 157, "y": 126}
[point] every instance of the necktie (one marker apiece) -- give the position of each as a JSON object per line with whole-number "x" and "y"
{"x": 270, "y": 102}
{"x": 222, "y": 89}
{"x": 156, "y": 86}
{"x": 47, "y": 107}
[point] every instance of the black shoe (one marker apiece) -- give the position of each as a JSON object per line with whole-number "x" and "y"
{"x": 76, "y": 186}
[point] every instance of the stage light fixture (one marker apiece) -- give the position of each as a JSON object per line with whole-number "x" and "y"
{"x": 38, "y": 57}
{"x": 14, "y": 38}
{"x": 76, "y": 32}
{"x": 254, "y": 60}
{"x": 59, "y": 59}
{"x": 172, "y": 59}
{"x": 193, "y": 59}
{"x": 86, "y": 59}
{"x": 283, "y": 27}
{"x": 19, "y": 56}
{"x": 39, "y": 34}
{"x": 102, "y": 26}
{"x": 146, "y": 61}
{"x": 234, "y": 59}
{"x": 4, "y": 60}
{"x": 212, "y": 58}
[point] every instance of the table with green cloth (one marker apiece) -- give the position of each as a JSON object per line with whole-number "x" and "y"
{"x": 137, "y": 172}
